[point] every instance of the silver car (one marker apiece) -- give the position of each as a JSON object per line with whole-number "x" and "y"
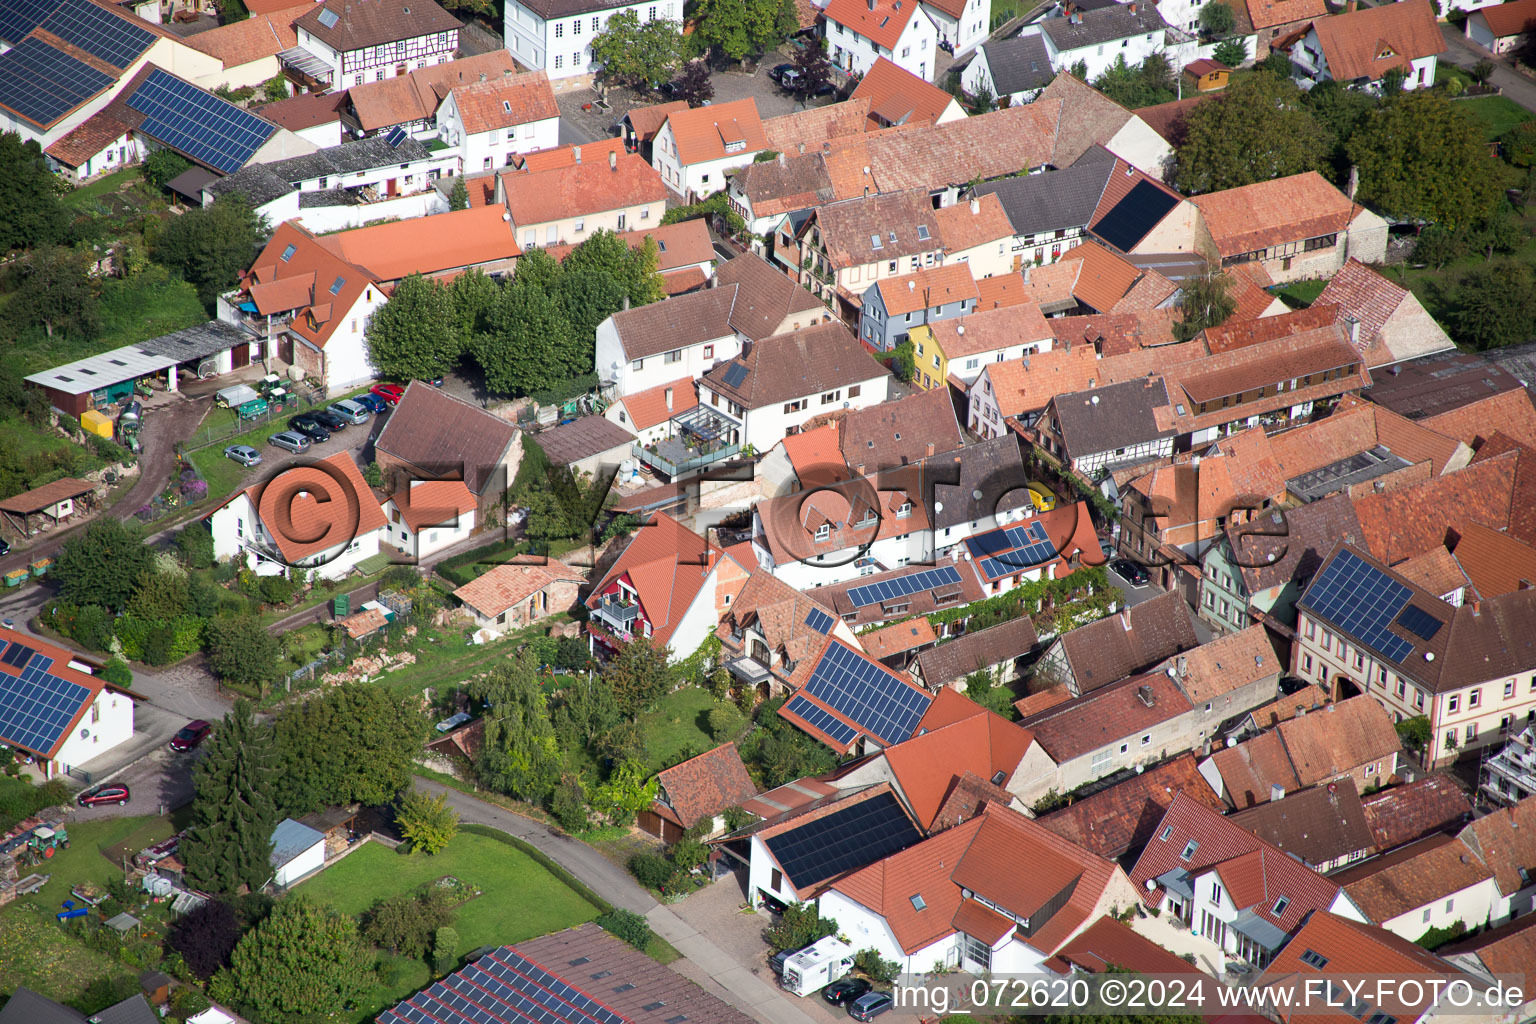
{"x": 291, "y": 440}
{"x": 352, "y": 412}
{"x": 243, "y": 454}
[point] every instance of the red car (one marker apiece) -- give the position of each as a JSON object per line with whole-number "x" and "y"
{"x": 190, "y": 736}
{"x": 106, "y": 793}
{"x": 391, "y": 393}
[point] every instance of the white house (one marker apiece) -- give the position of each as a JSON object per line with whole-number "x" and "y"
{"x": 695, "y": 149}
{"x": 830, "y": 534}
{"x": 961, "y": 24}
{"x": 682, "y": 338}
{"x": 1434, "y": 883}
{"x": 1502, "y": 27}
{"x": 902, "y": 31}
{"x": 1101, "y": 36}
{"x": 492, "y": 122}
{"x": 297, "y": 851}
{"x": 556, "y": 37}
{"x": 82, "y": 715}
{"x": 428, "y": 516}
{"x": 320, "y": 517}
{"x": 1360, "y": 47}
{"x": 348, "y": 42}
{"x": 566, "y": 204}
{"x": 1015, "y": 69}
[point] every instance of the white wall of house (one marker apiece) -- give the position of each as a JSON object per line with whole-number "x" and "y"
{"x": 562, "y": 46}
{"x": 1309, "y": 66}
{"x": 429, "y": 540}
{"x": 632, "y": 375}
{"x": 239, "y": 532}
{"x": 988, "y": 259}
{"x": 978, "y": 73}
{"x": 1093, "y": 463}
{"x": 696, "y": 179}
{"x": 761, "y": 876}
{"x": 483, "y": 151}
{"x": 121, "y": 152}
{"x": 312, "y": 859}
{"x": 915, "y": 49}
{"x": 1211, "y": 912}
{"x": 966, "y": 32}
{"x": 323, "y": 219}
{"x": 699, "y": 621}
{"x": 767, "y": 425}
{"x": 868, "y": 930}
{"x": 968, "y": 368}
{"x": 376, "y": 63}
{"x": 1472, "y": 906}
{"x": 575, "y": 229}
{"x": 840, "y": 567}
{"x": 108, "y": 723}
{"x": 1100, "y": 57}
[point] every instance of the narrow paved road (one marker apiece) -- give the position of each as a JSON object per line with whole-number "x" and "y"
{"x": 704, "y": 961}
{"x": 1464, "y": 53}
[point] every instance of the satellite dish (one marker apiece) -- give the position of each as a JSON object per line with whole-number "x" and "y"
{"x": 1151, "y": 884}
{"x": 85, "y": 734}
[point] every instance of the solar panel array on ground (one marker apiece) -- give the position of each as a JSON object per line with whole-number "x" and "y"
{"x": 43, "y": 84}
{"x": 1006, "y": 552}
{"x": 901, "y": 586}
{"x": 99, "y": 32}
{"x": 868, "y": 694}
{"x": 502, "y": 986}
{"x": 1362, "y": 601}
{"x": 844, "y": 840}
{"x": 36, "y": 706}
{"x": 817, "y": 717}
{"x": 197, "y": 123}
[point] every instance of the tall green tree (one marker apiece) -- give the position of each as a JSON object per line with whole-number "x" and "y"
{"x": 1231, "y": 52}
{"x": 1494, "y": 305}
{"x": 303, "y": 964}
{"x": 1338, "y": 111}
{"x": 520, "y": 755}
{"x": 636, "y": 268}
{"x": 415, "y": 336}
{"x": 1421, "y": 157}
{"x": 634, "y": 54}
{"x": 1207, "y": 302}
{"x": 103, "y": 565}
{"x": 458, "y": 196}
{"x": 1217, "y": 19}
{"x": 639, "y": 675}
{"x": 55, "y": 291}
{"x": 587, "y": 298}
{"x": 474, "y": 295}
{"x": 529, "y": 336}
{"x": 242, "y": 651}
{"x": 233, "y": 813}
{"x": 427, "y": 821}
{"x": 30, "y": 214}
{"x": 1257, "y": 129}
{"x": 353, "y": 744}
{"x": 211, "y": 246}
{"x": 741, "y": 28}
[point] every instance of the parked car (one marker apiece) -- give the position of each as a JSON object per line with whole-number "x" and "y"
{"x": 241, "y": 453}
{"x": 870, "y": 1005}
{"x": 106, "y": 793}
{"x": 777, "y": 72}
{"x": 329, "y": 420}
{"x": 436, "y": 382}
{"x": 845, "y": 990}
{"x": 373, "y": 403}
{"x": 352, "y": 412}
{"x": 824, "y": 89}
{"x": 391, "y": 393}
{"x": 293, "y": 442}
{"x": 190, "y": 735}
{"x": 307, "y": 426}
{"x": 5, "y": 545}
{"x": 789, "y": 78}
{"x": 1041, "y": 497}
{"x": 1129, "y": 571}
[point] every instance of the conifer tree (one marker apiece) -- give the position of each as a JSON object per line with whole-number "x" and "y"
{"x": 233, "y": 814}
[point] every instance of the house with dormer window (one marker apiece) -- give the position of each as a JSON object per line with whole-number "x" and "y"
{"x": 695, "y": 149}
{"x": 1360, "y": 47}
{"x": 842, "y": 248}
{"x": 770, "y": 629}
{"x": 492, "y": 122}
{"x": 830, "y": 533}
{"x": 860, "y": 32}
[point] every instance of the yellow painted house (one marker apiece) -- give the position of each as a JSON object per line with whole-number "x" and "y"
{"x": 959, "y": 348}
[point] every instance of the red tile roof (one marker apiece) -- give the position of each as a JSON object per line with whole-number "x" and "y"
{"x": 503, "y": 102}
{"x": 1508, "y": 412}
{"x": 312, "y": 508}
{"x": 316, "y": 316}
{"x": 665, "y": 562}
{"x": 1506, "y": 842}
{"x": 925, "y": 289}
{"x": 503, "y": 586}
{"x": 415, "y": 96}
{"x": 927, "y": 766}
{"x": 880, "y": 21}
{"x": 437, "y": 244}
{"x": 1494, "y": 561}
{"x": 538, "y": 197}
{"x": 433, "y": 503}
{"x": 887, "y": 887}
{"x": 1401, "y": 814}
{"x": 31, "y": 698}
{"x": 1271, "y": 212}
{"x": 260, "y": 35}
{"x": 1406, "y": 522}
{"x": 705, "y": 786}
{"x": 1106, "y": 715}
{"x": 703, "y": 133}
{"x": 655, "y": 405}
{"x": 1370, "y": 41}
{"x": 897, "y": 96}
{"x": 1122, "y": 818}
{"x": 1510, "y": 19}
{"x": 1412, "y": 876}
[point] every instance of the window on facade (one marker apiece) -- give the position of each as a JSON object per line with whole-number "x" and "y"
{"x": 559, "y": 30}
{"x": 559, "y": 61}
{"x": 1450, "y": 737}
{"x": 1475, "y": 699}
{"x": 829, "y": 398}
{"x": 1453, "y": 704}
{"x": 675, "y": 356}
{"x": 776, "y": 880}
{"x": 855, "y": 391}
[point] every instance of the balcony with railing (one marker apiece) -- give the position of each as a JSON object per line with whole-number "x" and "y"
{"x": 617, "y": 618}
{"x": 701, "y": 436}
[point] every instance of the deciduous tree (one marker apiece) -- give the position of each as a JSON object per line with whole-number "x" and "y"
{"x": 353, "y": 744}
{"x": 695, "y": 86}
{"x": 1207, "y": 302}
{"x": 813, "y": 66}
{"x": 521, "y": 352}
{"x": 634, "y": 54}
{"x": 102, "y": 565}
{"x": 1257, "y": 129}
{"x": 414, "y": 336}
{"x": 639, "y": 675}
{"x": 427, "y": 821}
{"x": 30, "y": 213}
{"x": 1217, "y": 20}
{"x": 473, "y": 295}
{"x": 205, "y": 937}
{"x": 520, "y": 755}
{"x": 304, "y": 963}
{"x": 55, "y": 291}
{"x": 404, "y": 924}
{"x": 241, "y": 651}
{"x": 1494, "y": 305}
{"x": 212, "y": 245}
{"x": 233, "y": 813}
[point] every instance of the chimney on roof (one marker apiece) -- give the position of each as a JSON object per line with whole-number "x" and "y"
{"x": 1354, "y": 329}
{"x": 1477, "y": 607}
{"x": 613, "y": 159}
{"x": 783, "y": 160}
{"x": 482, "y": 76}
{"x": 930, "y": 449}
{"x": 858, "y": 471}
{"x": 826, "y": 147}
{"x": 1183, "y": 664}
{"x": 975, "y": 207}
{"x": 1276, "y": 792}
{"x": 714, "y": 282}
{"x": 1144, "y": 694}
{"x": 576, "y": 153}
{"x": 871, "y": 4}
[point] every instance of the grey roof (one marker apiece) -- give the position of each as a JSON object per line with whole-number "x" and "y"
{"x": 256, "y": 182}
{"x": 1319, "y": 825}
{"x": 262, "y": 183}
{"x": 989, "y": 476}
{"x": 190, "y": 182}
{"x": 1089, "y": 28}
{"x": 1250, "y": 924}
{"x": 1277, "y": 547}
{"x": 326, "y": 197}
{"x": 581, "y": 439}
{"x": 1052, "y": 201}
{"x": 1438, "y": 383}
{"x": 1115, "y": 416}
{"x": 133, "y": 1010}
{"x": 200, "y": 342}
{"x": 1345, "y": 473}
{"x": 27, "y": 1007}
{"x": 982, "y": 649}
{"x": 1019, "y": 64}
{"x": 134, "y": 361}
{"x": 290, "y": 839}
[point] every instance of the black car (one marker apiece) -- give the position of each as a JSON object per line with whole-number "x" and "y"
{"x": 5, "y": 547}
{"x": 1129, "y": 571}
{"x": 307, "y": 426}
{"x": 824, "y": 89}
{"x": 777, "y": 71}
{"x": 845, "y": 990}
{"x": 776, "y": 962}
{"x": 327, "y": 419}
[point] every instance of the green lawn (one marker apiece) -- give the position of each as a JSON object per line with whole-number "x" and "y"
{"x": 678, "y": 725}
{"x": 132, "y": 310}
{"x": 1498, "y": 113}
{"x": 101, "y": 186}
{"x": 1300, "y": 294}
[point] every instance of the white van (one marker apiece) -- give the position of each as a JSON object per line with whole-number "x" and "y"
{"x": 817, "y": 966}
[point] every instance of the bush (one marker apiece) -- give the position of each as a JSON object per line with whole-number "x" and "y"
{"x": 194, "y": 544}
{"x": 406, "y": 924}
{"x": 206, "y": 937}
{"x": 445, "y": 950}
{"x": 874, "y": 967}
{"x": 626, "y": 925}
{"x": 569, "y": 803}
{"x": 93, "y": 627}
{"x": 687, "y": 854}
{"x": 725, "y": 721}
{"x": 651, "y": 870}
{"x": 188, "y": 1002}
{"x": 799, "y": 926}
{"x": 738, "y": 817}
{"x": 117, "y": 672}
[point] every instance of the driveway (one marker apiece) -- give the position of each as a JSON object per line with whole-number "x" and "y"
{"x": 355, "y": 438}
{"x": 158, "y": 783}
{"x": 1132, "y": 595}
{"x": 1464, "y": 53}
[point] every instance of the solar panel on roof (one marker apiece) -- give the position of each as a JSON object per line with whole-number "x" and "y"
{"x": 395, "y": 137}
{"x": 43, "y": 84}
{"x": 329, "y": 18}
{"x": 17, "y": 655}
{"x": 198, "y": 124}
{"x": 36, "y": 706}
{"x": 99, "y": 32}
{"x": 867, "y": 694}
{"x": 844, "y": 840}
{"x": 734, "y": 375}
{"x": 18, "y": 17}
{"x": 1129, "y": 220}
{"x": 1362, "y": 601}
{"x": 841, "y": 733}
{"x": 1419, "y": 622}
{"x": 901, "y": 586}
{"x": 819, "y": 620}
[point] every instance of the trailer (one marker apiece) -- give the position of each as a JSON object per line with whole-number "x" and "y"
{"x": 817, "y": 966}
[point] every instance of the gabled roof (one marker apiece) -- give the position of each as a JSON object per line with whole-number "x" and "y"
{"x": 1103, "y": 25}
{"x": 582, "y": 438}
{"x": 356, "y": 24}
{"x": 1505, "y": 840}
{"x": 965, "y": 226}
{"x": 1319, "y": 825}
{"x": 893, "y": 887}
{"x": 416, "y": 95}
{"x": 1508, "y": 412}
{"x": 1107, "y": 715}
{"x": 1226, "y": 664}
{"x": 764, "y": 296}
{"x": 892, "y": 831}
{"x": 1276, "y": 548}
{"x": 1370, "y": 41}
{"x": 305, "y": 110}
{"x": 37, "y": 700}
{"x": 991, "y": 330}
{"x": 677, "y": 322}
{"x": 901, "y": 432}
{"x": 1257, "y": 874}
{"x": 866, "y": 686}
{"x": 880, "y": 21}
{"x": 1130, "y": 641}
{"x": 1266, "y": 213}
{"x": 779, "y": 612}
{"x": 503, "y": 586}
{"x": 425, "y": 503}
{"x": 1111, "y": 417}
{"x": 260, "y": 35}
{"x": 438, "y": 244}
{"x": 1494, "y": 561}
{"x": 1413, "y": 876}
{"x": 1510, "y": 19}
{"x": 1507, "y": 949}
{"x": 441, "y": 435}
{"x": 1168, "y": 119}
{"x": 895, "y": 96}
{"x": 537, "y": 197}
{"x": 1365, "y": 297}
{"x": 313, "y": 508}
{"x": 317, "y": 315}
{"x": 881, "y": 227}
{"x": 1436, "y": 570}
{"x": 503, "y": 102}
{"x": 1399, "y": 524}
{"x": 1307, "y": 750}
{"x": 783, "y": 367}
{"x": 1109, "y": 944}
{"x": 705, "y": 786}
{"x": 1443, "y": 382}
{"x": 1018, "y": 64}
{"x": 667, "y": 564}
{"x": 1271, "y": 13}
{"x": 791, "y": 134}
{"x": 923, "y": 602}
{"x": 926, "y": 289}
{"x": 705, "y": 133}
{"x": 927, "y": 766}
{"x": 1059, "y": 200}
{"x": 1124, "y": 816}
{"x": 646, "y": 121}
{"x": 983, "y": 648}
{"x": 1401, "y": 814}
{"x": 656, "y": 405}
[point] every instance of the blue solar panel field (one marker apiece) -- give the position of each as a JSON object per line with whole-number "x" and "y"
{"x": 866, "y": 693}
{"x": 36, "y": 706}
{"x": 199, "y": 124}
{"x": 844, "y": 840}
{"x": 1361, "y": 600}
{"x": 502, "y": 986}
{"x": 819, "y": 620}
{"x": 99, "y": 32}
{"x": 19, "y": 17}
{"x": 901, "y": 586}
{"x": 1008, "y": 551}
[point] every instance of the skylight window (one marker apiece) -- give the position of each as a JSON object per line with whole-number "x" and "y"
{"x": 997, "y": 778}
{"x": 1312, "y": 958}
{"x": 338, "y": 285}
{"x": 1281, "y": 904}
{"x": 1189, "y": 849}
{"x": 922, "y": 232}
{"x": 328, "y": 18}
{"x": 1167, "y": 831}
{"x": 288, "y": 252}
{"x": 917, "y": 902}
{"x": 875, "y": 243}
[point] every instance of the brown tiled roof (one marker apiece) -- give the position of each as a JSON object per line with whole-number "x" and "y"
{"x": 1127, "y": 333}
{"x": 305, "y": 110}
{"x": 540, "y": 196}
{"x": 363, "y": 23}
{"x": 1506, "y": 842}
{"x": 1510, "y": 413}
{"x": 804, "y": 362}
{"x": 678, "y": 322}
{"x": 922, "y": 289}
{"x": 1122, "y": 818}
{"x": 1251, "y": 367}
{"x": 436, "y": 432}
{"x": 1271, "y": 13}
{"x": 897, "y": 96}
{"x": 1307, "y": 699}
{"x": 1225, "y": 664}
{"x": 899, "y": 433}
{"x": 1132, "y": 640}
{"x": 982, "y": 743}
{"x": 240, "y": 42}
{"x": 503, "y": 586}
{"x": 502, "y": 102}
{"x": 1083, "y": 118}
{"x": 415, "y": 96}
{"x": 1436, "y": 570}
{"x": 1250, "y": 771}
{"x": 1319, "y": 825}
{"x": 779, "y": 612}
{"x": 1370, "y": 41}
{"x": 1508, "y": 949}
{"x": 361, "y": 624}
{"x": 964, "y": 226}
{"x": 52, "y": 493}
{"x": 1522, "y": 514}
{"x": 647, "y": 121}
{"x": 765, "y": 297}
{"x": 655, "y": 405}
{"x": 683, "y": 244}
{"x": 967, "y": 799}
{"x": 707, "y": 785}
{"x": 983, "y": 648}
{"x": 1495, "y": 562}
{"x": 777, "y": 187}
{"x": 1167, "y": 119}
{"x": 424, "y": 503}
{"x": 1402, "y": 523}
{"x": 1104, "y": 277}
{"x": 581, "y": 439}
{"x": 899, "y": 220}
{"x": 313, "y": 261}
{"x": 991, "y": 330}
{"x": 666, "y": 565}
{"x": 1027, "y": 385}
{"x": 1402, "y": 814}
{"x": 427, "y": 245}
{"x": 1108, "y": 945}
{"x": 1341, "y": 736}
{"x": 1442, "y": 382}
{"x": 1510, "y": 19}
{"x": 90, "y": 137}
{"x": 1240, "y": 334}
{"x": 790, "y": 134}
{"x": 1271, "y": 212}
{"x": 923, "y": 602}
{"x": 1106, "y": 715}
{"x": 702, "y": 133}
{"x": 1413, "y": 876}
